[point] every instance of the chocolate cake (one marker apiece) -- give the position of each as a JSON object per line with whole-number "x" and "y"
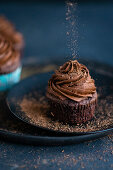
{"x": 72, "y": 93}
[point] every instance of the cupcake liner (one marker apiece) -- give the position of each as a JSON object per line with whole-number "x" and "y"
{"x": 73, "y": 113}
{"x": 8, "y": 80}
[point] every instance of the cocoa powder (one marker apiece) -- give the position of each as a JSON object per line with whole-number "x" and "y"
{"x": 38, "y": 111}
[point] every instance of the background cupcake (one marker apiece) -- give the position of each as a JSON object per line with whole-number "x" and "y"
{"x": 72, "y": 93}
{"x": 8, "y": 30}
{"x": 10, "y": 64}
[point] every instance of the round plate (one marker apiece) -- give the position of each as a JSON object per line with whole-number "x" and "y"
{"x": 48, "y": 140}
{"x": 38, "y": 83}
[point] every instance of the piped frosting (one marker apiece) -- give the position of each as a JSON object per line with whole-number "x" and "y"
{"x": 71, "y": 81}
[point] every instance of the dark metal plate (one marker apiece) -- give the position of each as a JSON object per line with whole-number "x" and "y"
{"x": 38, "y": 82}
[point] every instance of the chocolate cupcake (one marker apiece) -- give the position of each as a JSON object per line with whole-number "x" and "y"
{"x": 8, "y": 30}
{"x": 72, "y": 93}
{"x": 10, "y": 64}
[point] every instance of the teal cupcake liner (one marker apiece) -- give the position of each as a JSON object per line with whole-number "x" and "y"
{"x": 8, "y": 80}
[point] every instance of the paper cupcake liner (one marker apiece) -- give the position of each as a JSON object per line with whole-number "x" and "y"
{"x": 8, "y": 80}
{"x": 73, "y": 114}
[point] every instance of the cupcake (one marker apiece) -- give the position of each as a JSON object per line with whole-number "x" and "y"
{"x": 10, "y": 65}
{"x": 8, "y": 30}
{"x": 72, "y": 94}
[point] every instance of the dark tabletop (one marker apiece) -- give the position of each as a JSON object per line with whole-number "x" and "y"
{"x": 43, "y": 26}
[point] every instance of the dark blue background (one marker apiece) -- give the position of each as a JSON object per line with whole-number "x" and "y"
{"x": 43, "y": 26}
{"x": 44, "y": 29}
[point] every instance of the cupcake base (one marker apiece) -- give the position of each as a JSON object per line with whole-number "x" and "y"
{"x": 8, "y": 80}
{"x": 72, "y": 112}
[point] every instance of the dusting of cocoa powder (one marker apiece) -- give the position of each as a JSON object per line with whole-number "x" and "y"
{"x": 37, "y": 109}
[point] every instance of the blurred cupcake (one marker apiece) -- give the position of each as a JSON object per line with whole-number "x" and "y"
{"x": 72, "y": 93}
{"x": 8, "y": 30}
{"x": 10, "y": 64}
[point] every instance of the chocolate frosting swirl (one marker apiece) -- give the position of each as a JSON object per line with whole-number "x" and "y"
{"x": 71, "y": 81}
{"x": 9, "y": 57}
{"x": 6, "y": 26}
{"x": 8, "y": 30}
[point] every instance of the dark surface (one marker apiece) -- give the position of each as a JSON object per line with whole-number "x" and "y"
{"x": 43, "y": 27}
{"x": 38, "y": 83}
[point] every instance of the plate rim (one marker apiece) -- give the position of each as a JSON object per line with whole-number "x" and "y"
{"x": 56, "y": 131}
{"x": 47, "y": 140}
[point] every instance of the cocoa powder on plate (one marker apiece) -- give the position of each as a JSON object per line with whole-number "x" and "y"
{"x": 38, "y": 111}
